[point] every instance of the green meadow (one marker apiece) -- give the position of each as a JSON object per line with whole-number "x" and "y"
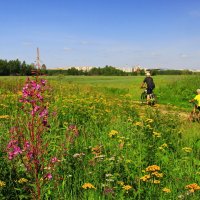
{"x": 80, "y": 137}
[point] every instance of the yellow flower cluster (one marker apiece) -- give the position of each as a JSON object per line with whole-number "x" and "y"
{"x": 156, "y": 134}
{"x": 2, "y": 183}
{"x": 152, "y": 168}
{"x": 113, "y": 133}
{"x": 22, "y": 180}
{"x": 163, "y": 146}
{"x": 167, "y": 190}
{"x": 187, "y": 149}
{"x": 88, "y": 186}
{"x": 127, "y": 187}
{"x": 192, "y": 187}
{"x": 156, "y": 174}
{"x": 145, "y": 177}
{"x": 138, "y": 123}
{"x": 4, "y": 116}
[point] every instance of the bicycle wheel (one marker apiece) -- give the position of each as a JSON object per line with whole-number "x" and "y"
{"x": 153, "y": 99}
{"x": 143, "y": 97}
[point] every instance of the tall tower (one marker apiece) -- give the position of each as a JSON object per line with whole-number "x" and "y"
{"x": 38, "y": 59}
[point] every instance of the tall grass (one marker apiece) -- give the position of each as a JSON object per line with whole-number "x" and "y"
{"x": 112, "y": 148}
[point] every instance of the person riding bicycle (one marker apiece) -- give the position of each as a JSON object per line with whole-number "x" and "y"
{"x": 197, "y": 99}
{"x": 150, "y": 85}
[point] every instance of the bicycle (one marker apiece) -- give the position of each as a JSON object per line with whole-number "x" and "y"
{"x": 195, "y": 114}
{"x": 153, "y": 98}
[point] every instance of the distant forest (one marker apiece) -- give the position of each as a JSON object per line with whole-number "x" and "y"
{"x": 18, "y": 68}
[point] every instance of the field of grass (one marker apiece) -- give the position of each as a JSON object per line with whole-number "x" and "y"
{"x": 89, "y": 138}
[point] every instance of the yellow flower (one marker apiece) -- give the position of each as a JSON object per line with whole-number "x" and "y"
{"x": 145, "y": 177}
{"x": 138, "y": 123}
{"x": 193, "y": 187}
{"x": 163, "y": 146}
{"x": 158, "y": 175}
{"x": 113, "y": 133}
{"x": 156, "y": 134}
{"x": 88, "y": 186}
{"x": 156, "y": 181}
{"x": 167, "y": 190}
{"x": 187, "y": 149}
{"x": 149, "y": 120}
{"x": 152, "y": 168}
{"x": 22, "y": 180}
{"x": 127, "y": 187}
{"x": 19, "y": 93}
{"x": 2, "y": 183}
{"x": 4, "y": 116}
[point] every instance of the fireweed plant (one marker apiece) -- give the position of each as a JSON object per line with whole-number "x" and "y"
{"x": 27, "y": 150}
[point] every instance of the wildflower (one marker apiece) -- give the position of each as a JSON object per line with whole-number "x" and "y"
{"x": 78, "y": 155}
{"x": 127, "y": 187}
{"x": 192, "y": 187}
{"x": 22, "y": 180}
{"x": 113, "y": 133}
{"x": 149, "y": 120}
{"x": 158, "y": 175}
{"x": 47, "y": 168}
{"x": 2, "y": 183}
{"x": 138, "y": 123}
{"x": 88, "y": 186}
{"x": 108, "y": 175}
{"x": 96, "y": 150}
{"x": 54, "y": 160}
{"x": 145, "y": 177}
{"x": 4, "y": 116}
{"x": 156, "y": 181}
{"x": 49, "y": 176}
{"x": 109, "y": 180}
{"x": 167, "y": 190}
{"x": 187, "y": 149}
{"x": 13, "y": 149}
{"x": 163, "y": 146}
{"x": 152, "y": 168}
{"x": 156, "y": 134}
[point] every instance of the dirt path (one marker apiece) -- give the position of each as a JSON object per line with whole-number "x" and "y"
{"x": 165, "y": 109}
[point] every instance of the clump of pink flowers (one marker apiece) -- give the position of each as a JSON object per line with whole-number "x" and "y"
{"x": 27, "y": 144}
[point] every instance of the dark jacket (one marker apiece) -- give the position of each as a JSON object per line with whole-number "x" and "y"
{"x": 149, "y": 82}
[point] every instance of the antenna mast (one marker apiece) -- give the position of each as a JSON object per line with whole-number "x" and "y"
{"x": 38, "y": 59}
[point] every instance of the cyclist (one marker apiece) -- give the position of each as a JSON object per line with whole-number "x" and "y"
{"x": 196, "y": 98}
{"x": 150, "y": 85}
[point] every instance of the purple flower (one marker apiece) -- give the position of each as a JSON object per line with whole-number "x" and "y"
{"x": 17, "y": 150}
{"x": 39, "y": 96}
{"x": 49, "y": 176}
{"x": 43, "y": 81}
{"x": 44, "y": 113}
{"x": 54, "y": 159}
{"x": 35, "y": 109}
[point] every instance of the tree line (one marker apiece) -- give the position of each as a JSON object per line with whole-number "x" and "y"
{"x": 16, "y": 67}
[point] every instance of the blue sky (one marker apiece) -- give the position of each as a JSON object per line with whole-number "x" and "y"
{"x": 124, "y": 33}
